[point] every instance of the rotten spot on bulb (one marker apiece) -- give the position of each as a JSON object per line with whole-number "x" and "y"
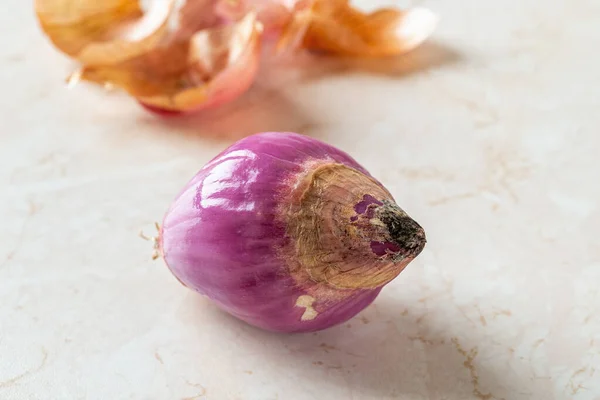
{"x": 346, "y": 230}
{"x": 407, "y": 235}
{"x": 211, "y": 67}
{"x": 307, "y": 302}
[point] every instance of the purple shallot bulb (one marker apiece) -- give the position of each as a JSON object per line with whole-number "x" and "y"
{"x": 287, "y": 233}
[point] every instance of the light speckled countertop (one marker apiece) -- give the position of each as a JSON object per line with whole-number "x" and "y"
{"x": 488, "y": 136}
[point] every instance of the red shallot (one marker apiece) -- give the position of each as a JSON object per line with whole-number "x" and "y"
{"x": 287, "y": 233}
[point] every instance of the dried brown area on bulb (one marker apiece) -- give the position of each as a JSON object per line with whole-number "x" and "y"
{"x": 346, "y": 231}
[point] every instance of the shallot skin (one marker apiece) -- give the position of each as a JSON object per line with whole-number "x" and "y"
{"x": 224, "y": 236}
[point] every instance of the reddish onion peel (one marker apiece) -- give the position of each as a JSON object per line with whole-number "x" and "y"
{"x": 213, "y": 67}
{"x": 287, "y": 233}
{"x": 188, "y": 55}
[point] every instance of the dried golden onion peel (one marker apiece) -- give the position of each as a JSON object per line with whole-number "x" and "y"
{"x": 103, "y": 32}
{"x": 336, "y": 27}
{"x": 182, "y": 55}
{"x": 214, "y": 66}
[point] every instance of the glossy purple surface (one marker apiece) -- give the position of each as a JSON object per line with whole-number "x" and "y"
{"x": 220, "y": 235}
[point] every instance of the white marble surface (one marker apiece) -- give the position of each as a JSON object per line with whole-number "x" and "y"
{"x": 489, "y": 136}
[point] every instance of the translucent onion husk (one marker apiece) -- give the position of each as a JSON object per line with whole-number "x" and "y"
{"x": 186, "y": 55}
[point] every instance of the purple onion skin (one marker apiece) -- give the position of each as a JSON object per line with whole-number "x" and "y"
{"x": 223, "y": 235}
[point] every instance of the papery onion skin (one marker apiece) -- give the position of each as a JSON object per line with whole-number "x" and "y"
{"x": 238, "y": 234}
{"x": 160, "y": 111}
{"x": 172, "y": 56}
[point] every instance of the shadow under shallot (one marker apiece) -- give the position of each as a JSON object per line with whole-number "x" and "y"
{"x": 385, "y": 352}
